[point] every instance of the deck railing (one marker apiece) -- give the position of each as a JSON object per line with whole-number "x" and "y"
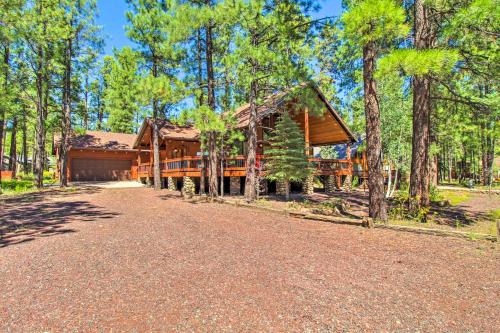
{"x": 238, "y": 163}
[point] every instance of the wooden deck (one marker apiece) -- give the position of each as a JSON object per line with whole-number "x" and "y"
{"x": 236, "y": 167}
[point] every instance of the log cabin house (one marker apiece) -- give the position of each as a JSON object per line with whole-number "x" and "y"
{"x": 118, "y": 156}
{"x": 180, "y": 150}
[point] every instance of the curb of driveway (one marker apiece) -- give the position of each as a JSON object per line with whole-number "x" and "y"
{"x": 354, "y": 222}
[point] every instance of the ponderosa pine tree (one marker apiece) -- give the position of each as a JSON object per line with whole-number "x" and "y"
{"x": 199, "y": 25}
{"x": 371, "y": 24}
{"x": 77, "y": 31}
{"x": 204, "y": 31}
{"x": 271, "y": 52}
{"x": 121, "y": 95}
{"x": 9, "y": 15}
{"x": 149, "y": 28}
{"x": 287, "y": 158}
{"x": 40, "y": 30}
{"x": 425, "y": 62}
{"x": 473, "y": 28}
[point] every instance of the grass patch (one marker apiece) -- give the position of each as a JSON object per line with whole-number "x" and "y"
{"x": 455, "y": 197}
{"x": 487, "y": 227}
{"x": 494, "y": 214}
{"x": 25, "y": 183}
{"x": 15, "y": 186}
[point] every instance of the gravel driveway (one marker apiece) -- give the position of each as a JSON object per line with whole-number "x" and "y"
{"x": 139, "y": 260}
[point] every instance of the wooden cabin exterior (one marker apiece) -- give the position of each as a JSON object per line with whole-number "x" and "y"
{"x": 180, "y": 149}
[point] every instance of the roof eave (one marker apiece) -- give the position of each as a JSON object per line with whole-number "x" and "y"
{"x": 334, "y": 113}
{"x": 140, "y": 134}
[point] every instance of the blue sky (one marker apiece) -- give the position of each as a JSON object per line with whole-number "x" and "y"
{"x": 113, "y": 21}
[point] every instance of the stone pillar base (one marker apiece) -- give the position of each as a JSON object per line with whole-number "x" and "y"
{"x": 281, "y": 187}
{"x": 308, "y": 185}
{"x": 149, "y": 182}
{"x": 234, "y": 186}
{"x": 347, "y": 183}
{"x": 188, "y": 187}
{"x": 330, "y": 184}
{"x": 171, "y": 184}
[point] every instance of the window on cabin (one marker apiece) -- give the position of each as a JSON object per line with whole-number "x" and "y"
{"x": 178, "y": 152}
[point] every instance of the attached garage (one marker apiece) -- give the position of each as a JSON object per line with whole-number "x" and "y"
{"x": 100, "y": 169}
{"x": 101, "y": 156}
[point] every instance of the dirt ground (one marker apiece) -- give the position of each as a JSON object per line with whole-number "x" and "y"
{"x": 139, "y": 260}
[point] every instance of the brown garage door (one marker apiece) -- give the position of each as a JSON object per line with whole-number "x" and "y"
{"x": 100, "y": 169}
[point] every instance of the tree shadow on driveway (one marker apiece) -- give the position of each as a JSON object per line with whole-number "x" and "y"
{"x": 27, "y": 217}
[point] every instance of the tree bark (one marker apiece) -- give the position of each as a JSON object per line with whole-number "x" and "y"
{"x": 40, "y": 126}
{"x": 13, "y": 148}
{"x": 100, "y": 113}
{"x": 377, "y": 203}
{"x": 155, "y": 134}
{"x": 199, "y": 51}
{"x": 25, "y": 141}
{"x": 420, "y": 163}
{"x": 86, "y": 103}
{"x": 212, "y": 137}
{"x": 6, "y": 58}
{"x": 66, "y": 116}
{"x": 389, "y": 182}
{"x": 250, "y": 180}
{"x": 488, "y": 152}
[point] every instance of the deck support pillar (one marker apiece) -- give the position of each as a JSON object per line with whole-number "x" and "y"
{"x": 308, "y": 185}
{"x": 187, "y": 187}
{"x": 148, "y": 182}
{"x": 330, "y": 184}
{"x": 347, "y": 183}
{"x": 171, "y": 184}
{"x": 281, "y": 187}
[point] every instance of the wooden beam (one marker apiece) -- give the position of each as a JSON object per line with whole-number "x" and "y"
{"x": 306, "y": 130}
{"x": 151, "y": 153}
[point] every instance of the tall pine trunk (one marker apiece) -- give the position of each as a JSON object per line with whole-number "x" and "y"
{"x": 86, "y": 103}
{"x": 6, "y": 57}
{"x": 155, "y": 132}
{"x": 420, "y": 163}
{"x": 66, "y": 116}
{"x": 199, "y": 51}
{"x": 212, "y": 137}
{"x": 25, "y": 141}
{"x": 100, "y": 112}
{"x": 377, "y": 203}
{"x": 40, "y": 125}
{"x": 13, "y": 148}
{"x": 250, "y": 180}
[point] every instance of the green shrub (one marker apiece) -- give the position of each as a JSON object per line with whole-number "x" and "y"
{"x": 404, "y": 186}
{"x": 355, "y": 182}
{"x": 17, "y": 186}
{"x": 48, "y": 176}
{"x": 399, "y": 208}
{"x": 434, "y": 194}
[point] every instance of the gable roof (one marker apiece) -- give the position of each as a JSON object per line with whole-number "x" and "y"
{"x": 168, "y": 130}
{"x": 272, "y": 102}
{"x": 100, "y": 140}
